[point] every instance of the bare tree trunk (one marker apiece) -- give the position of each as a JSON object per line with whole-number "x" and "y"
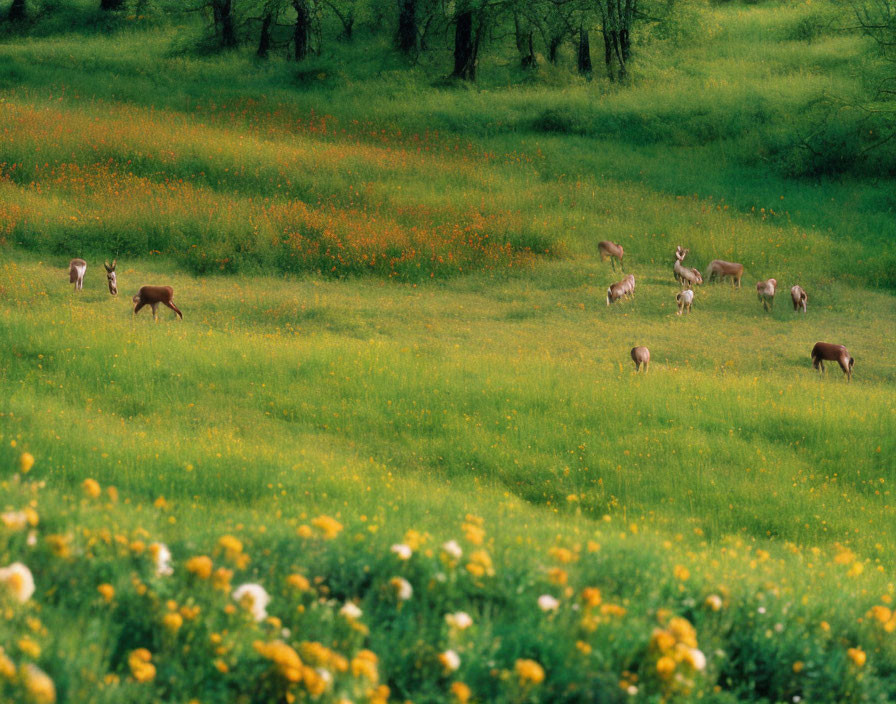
{"x": 406, "y": 37}
{"x": 17, "y": 11}
{"x": 466, "y": 47}
{"x": 111, "y": 4}
{"x": 224, "y": 22}
{"x": 553, "y": 47}
{"x": 301, "y": 35}
{"x": 264, "y": 40}
{"x": 583, "y": 57}
{"x": 525, "y": 43}
{"x": 608, "y": 54}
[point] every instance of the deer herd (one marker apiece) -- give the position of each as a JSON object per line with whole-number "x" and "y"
{"x": 687, "y": 277}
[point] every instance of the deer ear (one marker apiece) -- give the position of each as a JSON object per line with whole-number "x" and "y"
{"x": 114, "y": 261}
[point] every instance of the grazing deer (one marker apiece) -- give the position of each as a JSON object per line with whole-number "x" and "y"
{"x": 687, "y": 277}
{"x": 641, "y": 355}
{"x": 765, "y": 291}
{"x": 628, "y": 283}
{"x": 685, "y": 299}
{"x": 720, "y": 268}
{"x": 76, "y": 270}
{"x": 799, "y": 298}
{"x": 620, "y": 289}
{"x": 110, "y": 277}
{"x": 611, "y": 251}
{"x": 152, "y": 296}
{"x": 825, "y": 351}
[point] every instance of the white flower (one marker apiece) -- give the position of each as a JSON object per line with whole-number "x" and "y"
{"x": 761, "y": 610}
{"x": 402, "y": 587}
{"x": 403, "y": 551}
{"x": 18, "y": 580}
{"x": 452, "y": 549}
{"x": 16, "y": 520}
{"x": 547, "y": 603}
{"x": 351, "y": 611}
{"x": 161, "y": 555}
{"x": 31, "y": 540}
{"x": 779, "y": 628}
{"x": 450, "y": 660}
{"x": 632, "y": 690}
{"x": 460, "y": 620}
{"x": 325, "y": 675}
{"x": 698, "y": 659}
{"x": 254, "y": 599}
{"x": 714, "y": 602}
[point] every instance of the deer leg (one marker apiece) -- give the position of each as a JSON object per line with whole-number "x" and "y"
{"x": 173, "y": 307}
{"x": 138, "y": 307}
{"x": 155, "y": 311}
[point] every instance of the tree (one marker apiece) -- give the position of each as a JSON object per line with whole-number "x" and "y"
{"x": 222, "y": 13}
{"x": 111, "y": 4}
{"x": 345, "y": 11}
{"x": 301, "y": 36}
{"x": 524, "y": 33}
{"x": 406, "y": 36}
{"x": 617, "y": 17}
{"x": 583, "y": 53}
{"x": 17, "y": 11}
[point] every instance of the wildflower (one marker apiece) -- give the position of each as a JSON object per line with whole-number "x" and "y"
{"x": 59, "y": 545}
{"x": 450, "y": 660}
{"x": 18, "y": 581}
{"x": 452, "y": 549}
{"x": 415, "y": 539}
{"x": 713, "y": 602}
{"x": 172, "y": 621}
{"x": 221, "y": 578}
{"x": 38, "y": 685}
{"x": 480, "y": 564}
{"x": 683, "y": 631}
{"x": 665, "y": 666}
{"x": 141, "y": 668}
{"x": 547, "y": 603}
{"x": 583, "y": 647}
{"x": 221, "y": 666}
{"x": 460, "y": 620}
{"x": 661, "y": 640}
{"x": 26, "y": 462}
{"x": 297, "y": 581}
{"x": 254, "y": 599}
{"x": 7, "y": 666}
{"x": 591, "y": 596}
{"x": 201, "y": 566}
{"x": 798, "y": 666}
{"x": 558, "y": 576}
{"x": 330, "y": 527}
{"x": 29, "y": 647}
{"x": 351, "y": 611}
{"x": 287, "y": 661}
{"x": 91, "y": 488}
{"x": 460, "y": 692}
{"x": 529, "y": 672}
{"x": 695, "y": 658}
{"x": 402, "y": 587}
{"x": 364, "y": 664}
{"x": 563, "y": 555}
{"x": 107, "y": 591}
{"x": 682, "y": 573}
{"x": 403, "y": 551}
{"x": 14, "y": 520}
{"x": 304, "y": 531}
{"x": 857, "y": 655}
{"x": 161, "y": 556}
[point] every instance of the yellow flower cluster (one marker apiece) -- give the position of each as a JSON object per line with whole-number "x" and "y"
{"x": 884, "y": 616}
{"x": 140, "y": 663}
{"x": 675, "y": 650}
{"x": 232, "y": 548}
{"x": 330, "y": 527}
{"x": 201, "y": 566}
{"x": 529, "y": 672}
{"x": 480, "y": 564}
{"x": 473, "y": 529}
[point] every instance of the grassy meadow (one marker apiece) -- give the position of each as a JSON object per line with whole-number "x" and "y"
{"x": 398, "y": 400}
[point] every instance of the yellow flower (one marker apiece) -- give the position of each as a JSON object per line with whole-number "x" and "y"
{"x": 18, "y": 581}
{"x": 683, "y": 631}
{"x": 221, "y": 578}
{"x": 881, "y": 614}
{"x": 7, "y": 666}
{"x": 563, "y": 555}
{"x": 682, "y": 573}
{"x": 558, "y": 576}
{"x": 714, "y": 602}
{"x": 189, "y": 612}
{"x": 313, "y": 681}
{"x": 91, "y": 488}
{"x": 201, "y": 566}
{"x": 583, "y": 647}
{"x": 286, "y": 660}
{"x": 529, "y": 672}
{"x": 107, "y": 591}
{"x": 665, "y": 666}
{"x": 304, "y": 531}
{"x": 29, "y": 647}
{"x": 38, "y": 685}
{"x": 661, "y": 640}
{"x": 26, "y": 462}
{"x": 591, "y": 596}
{"x": 480, "y": 564}
{"x": 221, "y": 666}
{"x": 172, "y": 621}
{"x": 59, "y": 545}
{"x": 330, "y": 527}
{"x": 364, "y": 664}
{"x": 798, "y": 666}
{"x": 857, "y": 655}
{"x": 141, "y": 668}
{"x": 297, "y": 581}
{"x": 460, "y": 692}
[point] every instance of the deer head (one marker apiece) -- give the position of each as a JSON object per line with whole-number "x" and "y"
{"x": 110, "y": 277}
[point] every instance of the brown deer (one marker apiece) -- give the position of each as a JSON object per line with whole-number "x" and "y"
{"x": 825, "y": 351}
{"x": 611, "y": 251}
{"x": 799, "y": 298}
{"x": 110, "y": 277}
{"x": 765, "y": 291}
{"x": 720, "y": 268}
{"x": 76, "y": 270}
{"x": 620, "y": 289}
{"x": 641, "y": 355}
{"x": 684, "y": 299}
{"x": 628, "y": 283}
{"x": 686, "y": 276}
{"x": 152, "y": 296}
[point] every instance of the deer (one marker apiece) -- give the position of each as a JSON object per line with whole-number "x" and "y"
{"x": 641, "y": 356}
{"x": 721, "y": 268}
{"x": 799, "y": 298}
{"x": 110, "y": 277}
{"x": 152, "y": 296}
{"x": 611, "y": 251}
{"x": 684, "y": 299}
{"x": 628, "y": 282}
{"x": 620, "y": 289}
{"x": 687, "y": 277}
{"x": 825, "y": 351}
{"x": 76, "y": 270}
{"x": 765, "y": 291}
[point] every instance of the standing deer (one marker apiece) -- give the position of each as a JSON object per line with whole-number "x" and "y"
{"x": 620, "y": 289}
{"x": 152, "y": 296}
{"x": 765, "y": 291}
{"x": 799, "y": 298}
{"x": 76, "y": 270}
{"x": 825, "y": 351}
{"x": 685, "y": 299}
{"x": 720, "y": 268}
{"x": 641, "y": 355}
{"x": 628, "y": 283}
{"x": 687, "y": 277}
{"x": 110, "y": 277}
{"x": 611, "y": 251}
